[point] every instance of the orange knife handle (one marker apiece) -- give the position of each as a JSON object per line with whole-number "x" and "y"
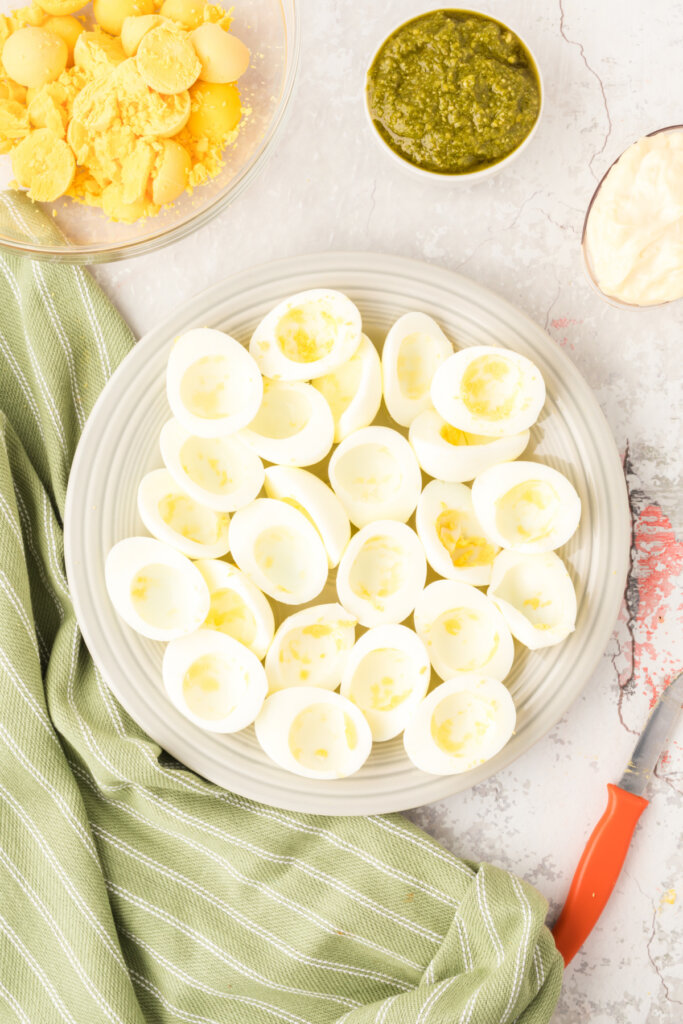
{"x": 598, "y": 870}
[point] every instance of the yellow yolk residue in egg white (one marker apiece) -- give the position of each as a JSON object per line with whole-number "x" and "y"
{"x": 528, "y": 511}
{"x": 203, "y": 387}
{"x": 453, "y": 435}
{"x": 320, "y": 736}
{"x": 212, "y": 475}
{"x": 350, "y": 733}
{"x": 383, "y": 695}
{"x": 470, "y": 719}
{"x": 210, "y": 688}
{"x": 378, "y": 571}
{"x": 415, "y": 366}
{"x": 302, "y": 649}
{"x": 490, "y": 387}
{"x": 465, "y": 550}
{"x": 132, "y": 123}
{"x": 317, "y": 630}
{"x": 229, "y": 614}
{"x": 300, "y": 508}
{"x": 154, "y": 595}
{"x": 307, "y": 333}
{"x": 190, "y": 520}
{"x": 473, "y": 644}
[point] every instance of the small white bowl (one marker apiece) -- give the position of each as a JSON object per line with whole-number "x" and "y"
{"x": 586, "y": 260}
{"x": 467, "y": 178}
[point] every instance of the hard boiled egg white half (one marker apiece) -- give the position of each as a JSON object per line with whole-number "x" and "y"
{"x": 317, "y": 501}
{"x": 536, "y": 597}
{"x": 175, "y": 518}
{"x": 354, "y": 390}
{"x": 221, "y": 472}
{"x": 381, "y": 573}
{"x": 463, "y": 631}
{"x": 387, "y": 675}
{"x": 238, "y": 608}
{"x": 310, "y": 648}
{"x": 155, "y": 589}
{"x": 452, "y": 536}
{"x": 293, "y": 426}
{"x": 314, "y": 732}
{"x": 280, "y": 550}
{"x": 214, "y": 680}
{"x": 375, "y": 475}
{"x": 413, "y": 350}
{"x": 306, "y": 335}
{"x": 526, "y": 506}
{"x": 451, "y": 454}
{"x": 460, "y": 725}
{"x": 488, "y": 390}
{"x": 213, "y": 385}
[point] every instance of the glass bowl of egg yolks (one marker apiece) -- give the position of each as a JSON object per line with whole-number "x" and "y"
{"x": 124, "y": 144}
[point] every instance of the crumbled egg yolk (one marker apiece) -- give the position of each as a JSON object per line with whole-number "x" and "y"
{"x": 459, "y": 720}
{"x": 491, "y": 387}
{"x": 466, "y": 550}
{"x": 308, "y": 332}
{"x": 126, "y": 115}
{"x": 529, "y": 511}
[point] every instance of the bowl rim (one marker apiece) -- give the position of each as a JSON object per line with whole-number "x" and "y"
{"x": 585, "y": 256}
{"x": 464, "y": 178}
{"x": 96, "y": 253}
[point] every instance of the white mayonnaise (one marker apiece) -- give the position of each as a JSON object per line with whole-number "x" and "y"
{"x": 634, "y": 231}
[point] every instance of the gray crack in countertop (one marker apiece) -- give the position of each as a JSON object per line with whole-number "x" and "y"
{"x": 612, "y": 73}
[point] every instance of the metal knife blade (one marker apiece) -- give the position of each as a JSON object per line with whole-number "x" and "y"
{"x": 653, "y": 739}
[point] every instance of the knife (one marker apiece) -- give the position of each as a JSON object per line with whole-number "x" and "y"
{"x": 606, "y": 850}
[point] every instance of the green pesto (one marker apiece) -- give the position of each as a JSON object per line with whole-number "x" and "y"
{"x": 453, "y": 91}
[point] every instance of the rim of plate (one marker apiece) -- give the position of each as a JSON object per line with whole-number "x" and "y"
{"x": 110, "y": 459}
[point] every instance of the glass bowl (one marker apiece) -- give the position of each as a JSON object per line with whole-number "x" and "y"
{"x": 585, "y": 251}
{"x": 270, "y": 28}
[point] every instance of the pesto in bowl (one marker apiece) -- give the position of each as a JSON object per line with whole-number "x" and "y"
{"x": 453, "y": 92}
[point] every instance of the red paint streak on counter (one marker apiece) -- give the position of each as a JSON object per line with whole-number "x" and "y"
{"x": 562, "y": 322}
{"x": 658, "y": 560}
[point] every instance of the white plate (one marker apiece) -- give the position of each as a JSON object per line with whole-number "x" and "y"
{"x": 120, "y": 444}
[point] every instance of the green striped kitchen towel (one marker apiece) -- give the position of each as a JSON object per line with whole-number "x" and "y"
{"x": 131, "y": 890}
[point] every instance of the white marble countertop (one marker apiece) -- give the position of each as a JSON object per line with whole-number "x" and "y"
{"x": 610, "y": 73}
